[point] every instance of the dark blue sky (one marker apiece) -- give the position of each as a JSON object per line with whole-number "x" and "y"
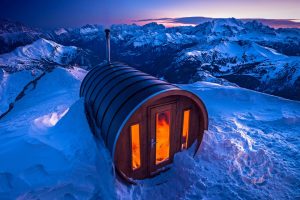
{"x": 55, "y": 13}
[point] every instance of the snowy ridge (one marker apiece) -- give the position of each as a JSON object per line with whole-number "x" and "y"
{"x": 41, "y": 52}
{"x": 238, "y": 52}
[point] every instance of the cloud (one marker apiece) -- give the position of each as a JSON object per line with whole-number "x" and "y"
{"x": 275, "y": 23}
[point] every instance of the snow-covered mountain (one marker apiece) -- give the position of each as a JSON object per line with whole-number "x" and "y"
{"x": 247, "y": 53}
{"x": 41, "y": 54}
{"x": 264, "y": 68}
{"x": 251, "y": 150}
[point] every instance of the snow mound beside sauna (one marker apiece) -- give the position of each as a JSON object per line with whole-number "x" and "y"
{"x": 251, "y": 150}
{"x": 47, "y": 150}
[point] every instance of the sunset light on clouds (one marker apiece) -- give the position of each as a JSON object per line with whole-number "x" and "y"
{"x": 66, "y": 13}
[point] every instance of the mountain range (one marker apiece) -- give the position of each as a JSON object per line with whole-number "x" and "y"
{"x": 227, "y": 51}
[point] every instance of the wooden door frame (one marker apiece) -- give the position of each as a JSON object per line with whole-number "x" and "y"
{"x": 152, "y": 110}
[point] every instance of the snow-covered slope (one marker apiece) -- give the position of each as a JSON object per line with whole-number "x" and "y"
{"x": 11, "y": 86}
{"x": 47, "y": 150}
{"x": 251, "y": 150}
{"x": 39, "y": 54}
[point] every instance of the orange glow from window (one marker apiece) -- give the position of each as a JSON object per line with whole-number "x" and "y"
{"x": 162, "y": 136}
{"x": 185, "y": 129}
{"x": 135, "y": 146}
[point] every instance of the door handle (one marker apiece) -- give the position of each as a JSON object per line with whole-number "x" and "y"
{"x": 153, "y": 142}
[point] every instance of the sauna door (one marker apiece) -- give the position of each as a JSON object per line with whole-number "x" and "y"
{"x": 162, "y": 137}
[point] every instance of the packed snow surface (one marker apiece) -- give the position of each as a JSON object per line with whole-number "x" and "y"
{"x": 251, "y": 150}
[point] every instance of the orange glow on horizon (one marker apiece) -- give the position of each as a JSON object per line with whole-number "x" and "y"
{"x": 162, "y": 137}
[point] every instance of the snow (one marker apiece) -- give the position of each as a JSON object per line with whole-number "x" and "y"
{"x": 150, "y": 35}
{"x": 42, "y": 156}
{"x": 12, "y": 84}
{"x": 60, "y": 31}
{"x": 234, "y": 48}
{"x": 209, "y": 78}
{"x": 50, "y": 119}
{"x": 274, "y": 71}
{"x": 248, "y": 52}
{"x": 251, "y": 150}
{"x": 38, "y": 52}
{"x": 221, "y": 25}
{"x": 88, "y": 30}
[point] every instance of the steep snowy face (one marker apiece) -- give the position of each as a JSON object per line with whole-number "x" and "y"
{"x": 237, "y": 51}
{"x": 228, "y": 56}
{"x": 38, "y": 55}
{"x": 219, "y": 28}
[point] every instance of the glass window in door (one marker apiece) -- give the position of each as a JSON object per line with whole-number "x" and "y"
{"x": 162, "y": 128}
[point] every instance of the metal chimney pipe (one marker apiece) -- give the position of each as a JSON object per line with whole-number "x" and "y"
{"x": 107, "y": 35}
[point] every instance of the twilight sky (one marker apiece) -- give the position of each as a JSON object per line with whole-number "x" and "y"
{"x": 55, "y": 13}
